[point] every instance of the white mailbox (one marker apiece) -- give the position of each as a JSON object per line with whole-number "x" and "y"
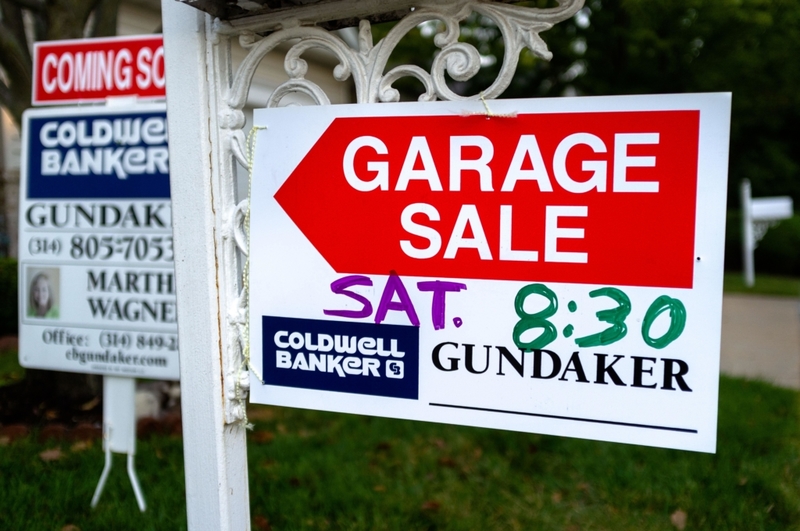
{"x": 771, "y": 208}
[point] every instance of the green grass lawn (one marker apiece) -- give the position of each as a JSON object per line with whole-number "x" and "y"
{"x": 764, "y": 285}
{"x": 313, "y": 470}
{"x": 10, "y": 370}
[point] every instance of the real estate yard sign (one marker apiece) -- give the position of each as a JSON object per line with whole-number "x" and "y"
{"x": 96, "y": 283}
{"x": 555, "y": 267}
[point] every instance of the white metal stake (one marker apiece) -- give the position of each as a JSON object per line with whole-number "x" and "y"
{"x": 119, "y": 431}
{"x": 103, "y": 476}
{"x": 137, "y": 489}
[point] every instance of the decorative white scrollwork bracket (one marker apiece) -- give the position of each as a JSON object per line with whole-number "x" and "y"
{"x": 519, "y": 27}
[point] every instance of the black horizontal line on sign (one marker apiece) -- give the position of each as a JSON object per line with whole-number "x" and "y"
{"x": 560, "y": 417}
{"x": 101, "y": 231}
{"x": 77, "y": 326}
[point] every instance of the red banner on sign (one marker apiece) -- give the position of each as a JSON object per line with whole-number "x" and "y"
{"x": 86, "y": 70}
{"x": 596, "y": 198}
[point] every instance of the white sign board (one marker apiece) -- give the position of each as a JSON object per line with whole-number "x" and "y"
{"x": 555, "y": 268}
{"x": 96, "y": 274}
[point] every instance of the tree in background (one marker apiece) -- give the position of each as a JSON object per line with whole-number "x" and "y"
{"x": 23, "y": 22}
{"x": 747, "y": 47}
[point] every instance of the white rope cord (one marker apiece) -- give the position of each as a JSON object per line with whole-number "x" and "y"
{"x": 486, "y": 106}
{"x": 252, "y": 136}
{"x": 488, "y": 112}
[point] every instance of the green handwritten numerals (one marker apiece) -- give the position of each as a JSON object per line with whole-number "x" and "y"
{"x": 614, "y": 316}
{"x": 677, "y": 316}
{"x": 529, "y": 321}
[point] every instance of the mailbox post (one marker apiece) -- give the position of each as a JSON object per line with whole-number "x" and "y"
{"x": 758, "y": 215}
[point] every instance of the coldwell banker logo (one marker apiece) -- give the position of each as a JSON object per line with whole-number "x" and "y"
{"x": 99, "y": 156}
{"x": 361, "y": 358}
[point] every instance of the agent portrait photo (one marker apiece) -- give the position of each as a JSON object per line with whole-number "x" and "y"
{"x": 43, "y": 292}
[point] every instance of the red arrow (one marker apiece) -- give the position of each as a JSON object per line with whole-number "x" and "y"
{"x": 600, "y": 198}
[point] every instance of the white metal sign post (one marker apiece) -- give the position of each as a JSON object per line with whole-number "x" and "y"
{"x": 555, "y": 268}
{"x": 97, "y": 288}
{"x": 758, "y": 215}
{"x": 208, "y": 127}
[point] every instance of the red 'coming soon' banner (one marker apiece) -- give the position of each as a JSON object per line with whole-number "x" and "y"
{"x": 87, "y": 70}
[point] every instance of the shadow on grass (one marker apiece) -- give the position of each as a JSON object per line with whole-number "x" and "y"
{"x": 10, "y": 370}
{"x": 314, "y": 470}
{"x": 52, "y": 490}
{"x": 332, "y": 471}
{"x": 764, "y": 285}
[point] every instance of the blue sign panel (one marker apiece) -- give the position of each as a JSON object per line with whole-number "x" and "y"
{"x": 349, "y": 357}
{"x": 108, "y": 156}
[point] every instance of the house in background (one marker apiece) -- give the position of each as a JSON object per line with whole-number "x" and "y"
{"x": 9, "y": 184}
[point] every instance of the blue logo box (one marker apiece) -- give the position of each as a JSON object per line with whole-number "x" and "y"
{"x": 98, "y": 156}
{"x": 346, "y": 357}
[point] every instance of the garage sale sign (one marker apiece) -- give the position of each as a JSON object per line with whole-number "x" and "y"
{"x": 96, "y": 276}
{"x": 553, "y": 268}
